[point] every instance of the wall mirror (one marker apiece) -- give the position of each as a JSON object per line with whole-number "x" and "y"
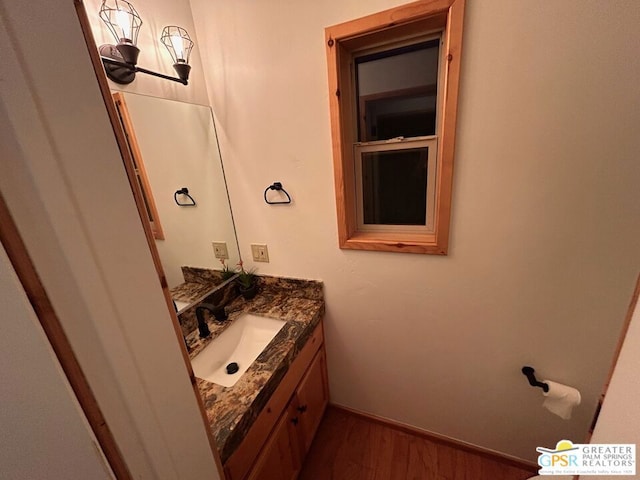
{"x": 174, "y": 147}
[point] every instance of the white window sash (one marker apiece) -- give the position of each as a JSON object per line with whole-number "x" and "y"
{"x": 397, "y": 144}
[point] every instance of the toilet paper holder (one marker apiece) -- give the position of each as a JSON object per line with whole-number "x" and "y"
{"x": 529, "y": 372}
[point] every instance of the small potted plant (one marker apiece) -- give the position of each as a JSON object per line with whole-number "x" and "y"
{"x": 227, "y": 273}
{"x": 247, "y": 282}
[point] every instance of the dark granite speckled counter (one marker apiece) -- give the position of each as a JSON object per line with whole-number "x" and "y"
{"x": 198, "y": 282}
{"x": 231, "y": 411}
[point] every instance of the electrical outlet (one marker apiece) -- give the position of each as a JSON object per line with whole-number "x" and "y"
{"x": 260, "y": 252}
{"x": 220, "y": 250}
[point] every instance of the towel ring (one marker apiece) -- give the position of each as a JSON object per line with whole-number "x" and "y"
{"x": 278, "y": 187}
{"x": 184, "y": 191}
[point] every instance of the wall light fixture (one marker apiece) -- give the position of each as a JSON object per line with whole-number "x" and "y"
{"x": 120, "y": 60}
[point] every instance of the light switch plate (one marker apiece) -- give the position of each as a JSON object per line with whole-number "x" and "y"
{"x": 260, "y": 252}
{"x": 220, "y": 250}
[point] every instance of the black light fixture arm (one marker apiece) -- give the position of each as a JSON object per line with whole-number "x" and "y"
{"x": 136, "y": 69}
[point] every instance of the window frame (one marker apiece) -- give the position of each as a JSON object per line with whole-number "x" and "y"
{"x": 343, "y": 42}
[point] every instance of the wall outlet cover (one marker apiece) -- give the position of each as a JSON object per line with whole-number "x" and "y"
{"x": 220, "y": 250}
{"x": 260, "y": 252}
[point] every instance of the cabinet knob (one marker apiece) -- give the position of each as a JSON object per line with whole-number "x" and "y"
{"x": 302, "y": 408}
{"x": 294, "y": 420}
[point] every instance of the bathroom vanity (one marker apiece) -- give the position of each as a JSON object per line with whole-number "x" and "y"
{"x": 264, "y": 424}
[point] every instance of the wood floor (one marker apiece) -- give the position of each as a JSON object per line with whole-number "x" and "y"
{"x": 348, "y": 447}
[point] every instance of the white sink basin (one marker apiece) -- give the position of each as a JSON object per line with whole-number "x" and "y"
{"x": 241, "y": 343}
{"x": 181, "y": 306}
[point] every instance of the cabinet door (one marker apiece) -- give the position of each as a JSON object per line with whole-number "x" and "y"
{"x": 312, "y": 396}
{"x": 280, "y": 458}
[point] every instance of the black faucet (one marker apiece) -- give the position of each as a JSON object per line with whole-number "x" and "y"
{"x": 218, "y": 312}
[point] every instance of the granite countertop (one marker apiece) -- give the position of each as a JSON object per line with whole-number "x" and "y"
{"x": 191, "y": 292}
{"x": 198, "y": 283}
{"x": 231, "y": 411}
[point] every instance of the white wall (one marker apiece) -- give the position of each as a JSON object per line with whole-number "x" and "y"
{"x": 179, "y": 148}
{"x": 620, "y": 415}
{"x": 44, "y": 431}
{"x": 545, "y": 218}
{"x": 156, "y": 14}
{"x": 65, "y": 186}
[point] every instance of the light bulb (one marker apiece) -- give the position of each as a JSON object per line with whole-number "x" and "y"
{"x": 178, "y": 47}
{"x": 124, "y": 22}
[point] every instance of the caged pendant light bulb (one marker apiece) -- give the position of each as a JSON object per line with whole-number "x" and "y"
{"x": 179, "y": 45}
{"x": 124, "y": 23}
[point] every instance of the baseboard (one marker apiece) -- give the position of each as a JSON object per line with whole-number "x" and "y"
{"x": 436, "y": 437}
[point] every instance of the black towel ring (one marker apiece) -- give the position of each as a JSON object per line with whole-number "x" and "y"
{"x": 184, "y": 191}
{"x": 276, "y": 186}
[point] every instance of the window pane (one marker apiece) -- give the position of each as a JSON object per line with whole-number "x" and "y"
{"x": 397, "y": 92}
{"x": 394, "y": 187}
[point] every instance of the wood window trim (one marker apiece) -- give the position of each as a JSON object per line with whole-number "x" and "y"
{"x": 341, "y": 41}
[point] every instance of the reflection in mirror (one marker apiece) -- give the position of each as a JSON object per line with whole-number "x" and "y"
{"x": 174, "y": 146}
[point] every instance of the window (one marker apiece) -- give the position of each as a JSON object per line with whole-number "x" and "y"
{"x": 393, "y": 80}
